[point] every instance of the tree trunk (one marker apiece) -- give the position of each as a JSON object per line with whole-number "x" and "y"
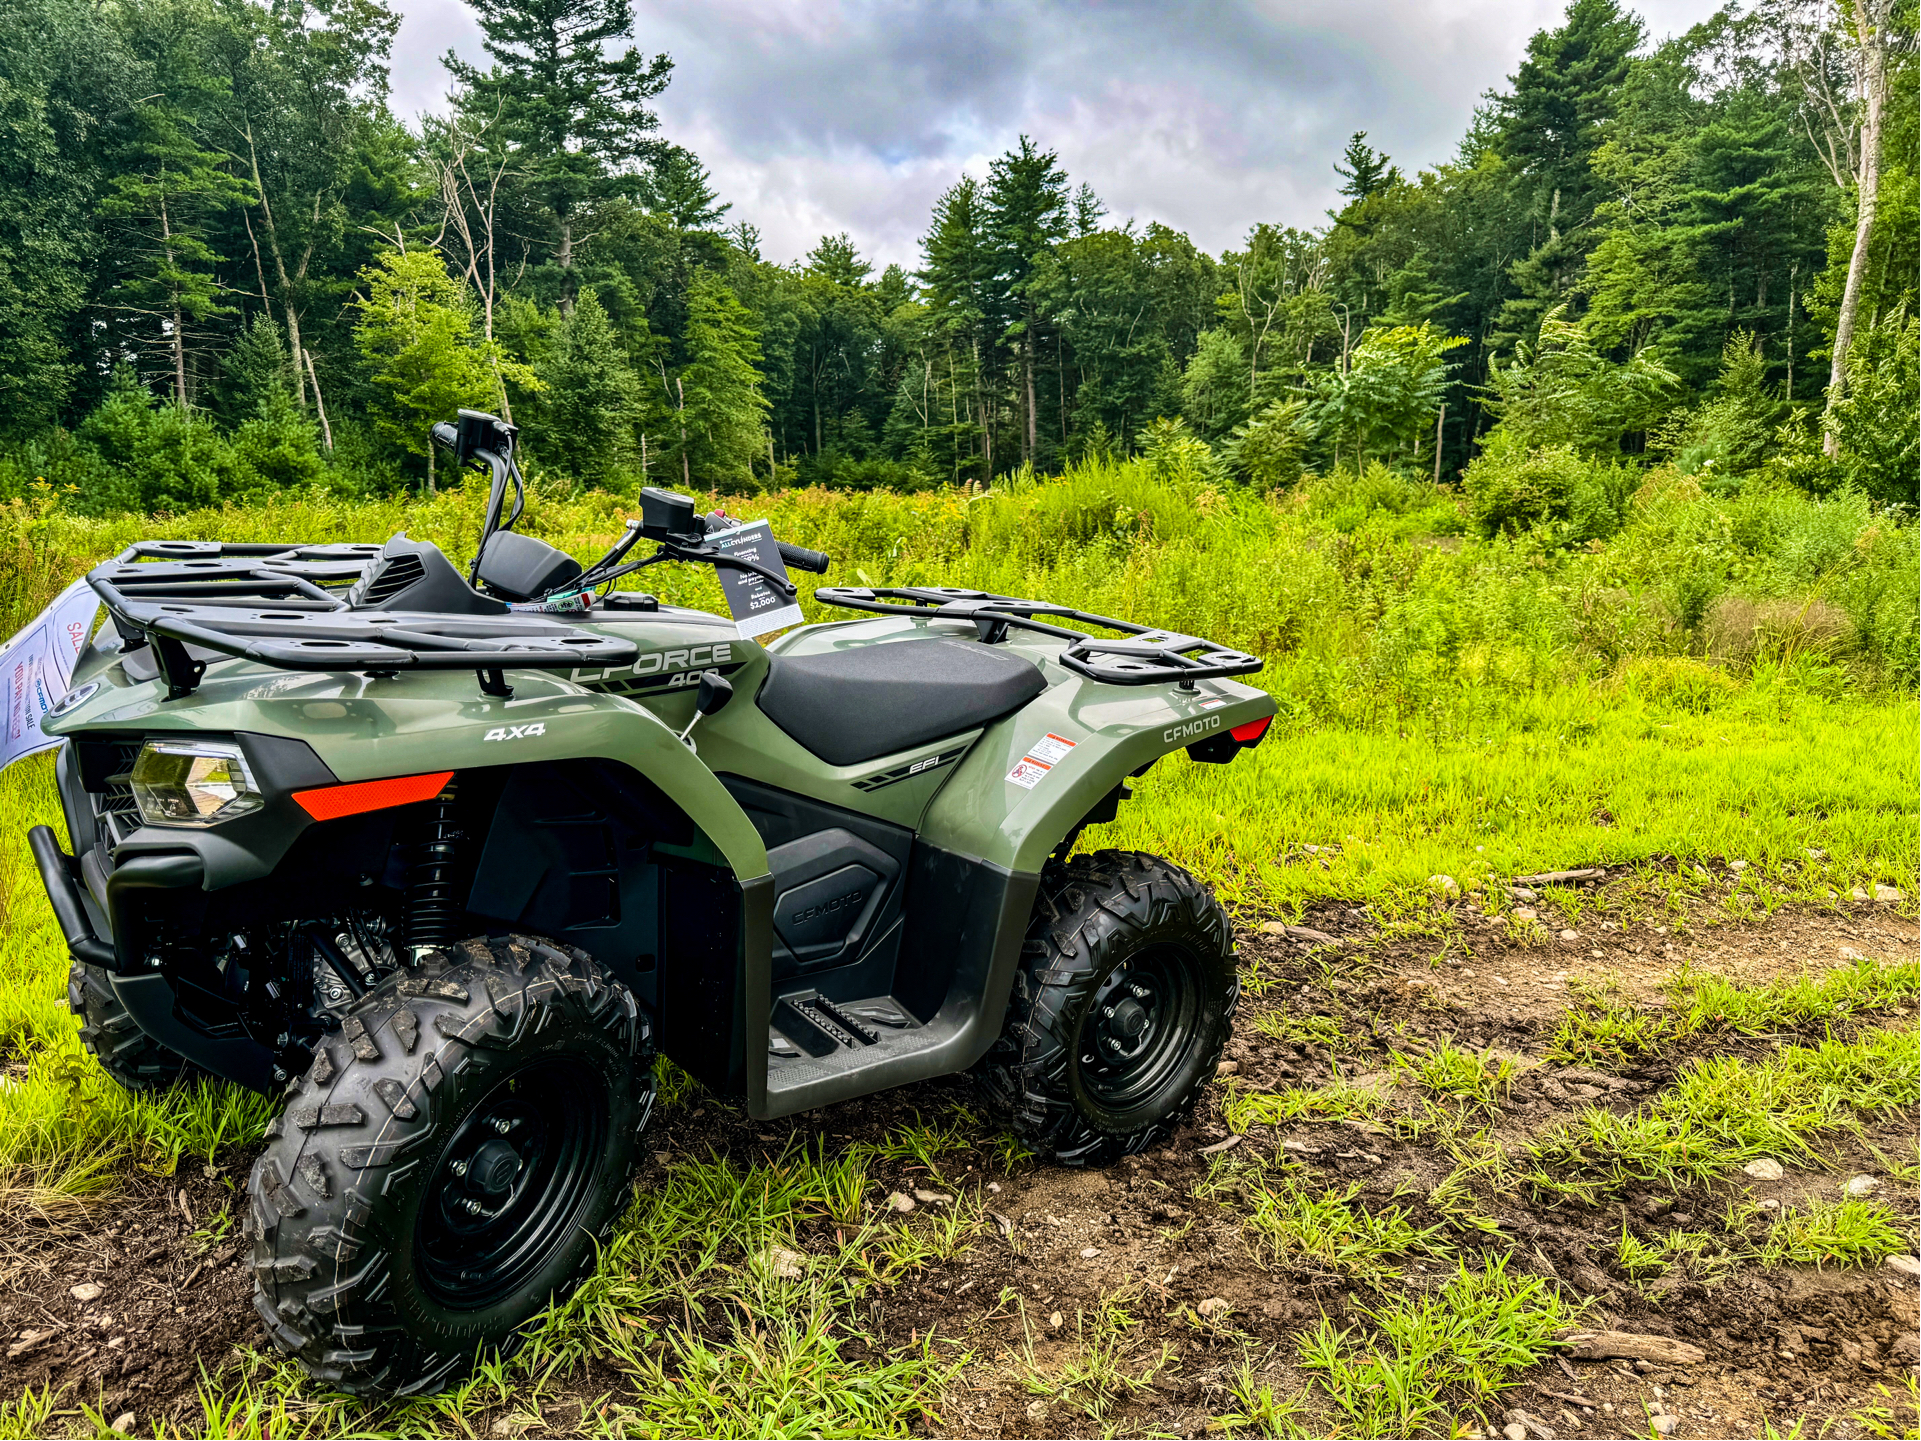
{"x": 564, "y": 256}
{"x": 179, "y": 328}
{"x": 1871, "y": 33}
{"x": 286, "y": 286}
{"x": 680, "y": 414}
{"x": 320, "y": 406}
{"x": 1027, "y": 367}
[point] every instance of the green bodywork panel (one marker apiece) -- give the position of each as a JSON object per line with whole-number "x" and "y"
{"x": 365, "y": 727}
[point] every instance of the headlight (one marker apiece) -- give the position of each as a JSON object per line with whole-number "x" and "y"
{"x": 192, "y": 783}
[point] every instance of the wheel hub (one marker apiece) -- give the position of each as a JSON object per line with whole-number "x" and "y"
{"x": 1139, "y": 1028}
{"x": 509, "y": 1183}
{"x": 493, "y": 1168}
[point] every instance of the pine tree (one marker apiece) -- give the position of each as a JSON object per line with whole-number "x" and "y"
{"x": 957, "y": 270}
{"x": 577, "y": 111}
{"x": 424, "y": 356}
{"x": 678, "y": 186}
{"x": 1026, "y": 215}
{"x": 1367, "y": 172}
{"x": 589, "y": 397}
{"x": 721, "y": 423}
{"x": 1088, "y": 211}
{"x": 164, "y": 201}
{"x": 1564, "y": 94}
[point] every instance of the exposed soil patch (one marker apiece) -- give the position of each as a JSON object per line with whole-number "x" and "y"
{"x": 124, "y": 1311}
{"x": 1128, "y": 1267}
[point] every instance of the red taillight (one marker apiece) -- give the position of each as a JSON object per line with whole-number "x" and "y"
{"x": 1252, "y": 731}
{"x": 332, "y": 802}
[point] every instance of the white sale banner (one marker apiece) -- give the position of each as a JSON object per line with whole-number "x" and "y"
{"x": 36, "y": 667}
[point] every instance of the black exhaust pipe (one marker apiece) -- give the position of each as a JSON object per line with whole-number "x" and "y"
{"x": 63, "y": 894}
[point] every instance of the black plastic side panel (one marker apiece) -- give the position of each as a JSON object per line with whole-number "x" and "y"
{"x": 150, "y": 1000}
{"x": 837, "y": 886}
{"x": 714, "y": 941}
{"x": 965, "y": 923}
{"x": 569, "y": 854}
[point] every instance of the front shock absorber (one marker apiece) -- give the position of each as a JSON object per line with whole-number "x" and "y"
{"x": 432, "y": 907}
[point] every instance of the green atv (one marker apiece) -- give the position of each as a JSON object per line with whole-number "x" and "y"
{"x": 446, "y": 858}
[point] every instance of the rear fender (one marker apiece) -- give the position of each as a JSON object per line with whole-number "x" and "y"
{"x": 1035, "y": 776}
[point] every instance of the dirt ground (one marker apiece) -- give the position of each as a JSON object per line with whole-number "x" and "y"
{"x": 129, "y": 1310}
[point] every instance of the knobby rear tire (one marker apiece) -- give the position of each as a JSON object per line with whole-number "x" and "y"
{"x": 1097, "y": 919}
{"x": 349, "y": 1203}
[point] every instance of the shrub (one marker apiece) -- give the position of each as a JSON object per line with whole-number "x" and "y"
{"x": 1738, "y": 632}
{"x": 1688, "y": 685}
{"x": 1511, "y": 490}
{"x": 1347, "y": 499}
{"x": 1266, "y": 451}
{"x": 154, "y": 458}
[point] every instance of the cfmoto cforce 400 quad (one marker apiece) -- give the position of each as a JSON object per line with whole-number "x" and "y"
{"x": 447, "y": 858}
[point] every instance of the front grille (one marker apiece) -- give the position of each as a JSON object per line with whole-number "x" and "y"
{"x": 114, "y": 812}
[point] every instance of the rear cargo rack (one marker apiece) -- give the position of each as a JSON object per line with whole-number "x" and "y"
{"x": 1142, "y": 656}
{"x": 270, "y": 604}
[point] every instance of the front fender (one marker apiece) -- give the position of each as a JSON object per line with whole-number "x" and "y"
{"x": 1033, "y": 776}
{"x": 367, "y": 727}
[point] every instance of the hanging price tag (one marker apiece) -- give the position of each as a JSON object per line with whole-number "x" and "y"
{"x": 756, "y": 606}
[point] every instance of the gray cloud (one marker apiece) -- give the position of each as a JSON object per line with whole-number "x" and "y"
{"x": 818, "y": 116}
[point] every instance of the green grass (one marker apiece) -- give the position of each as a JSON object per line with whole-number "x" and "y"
{"x": 1332, "y": 1230}
{"x": 1340, "y": 1101}
{"x": 1848, "y": 1232}
{"x": 1723, "y": 1112}
{"x": 1104, "y": 1367}
{"x": 1466, "y": 1077}
{"x": 1433, "y": 1355}
{"x": 1607, "y": 1031}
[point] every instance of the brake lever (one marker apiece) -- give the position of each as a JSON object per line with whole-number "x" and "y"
{"x": 738, "y": 562}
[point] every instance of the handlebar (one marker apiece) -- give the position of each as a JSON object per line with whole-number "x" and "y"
{"x": 799, "y": 558}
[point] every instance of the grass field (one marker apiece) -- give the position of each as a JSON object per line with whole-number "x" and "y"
{"x": 1730, "y": 680}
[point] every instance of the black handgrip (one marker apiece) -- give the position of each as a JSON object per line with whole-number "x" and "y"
{"x": 444, "y": 433}
{"x": 798, "y": 558}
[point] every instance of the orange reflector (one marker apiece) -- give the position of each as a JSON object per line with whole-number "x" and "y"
{"x": 1252, "y": 731}
{"x": 332, "y": 802}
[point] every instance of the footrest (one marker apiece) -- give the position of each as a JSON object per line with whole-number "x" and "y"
{"x": 810, "y": 1023}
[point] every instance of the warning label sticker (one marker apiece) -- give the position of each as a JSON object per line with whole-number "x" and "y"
{"x": 1028, "y": 772}
{"x": 1050, "y": 749}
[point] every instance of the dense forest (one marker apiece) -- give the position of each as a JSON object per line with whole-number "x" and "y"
{"x": 226, "y": 266}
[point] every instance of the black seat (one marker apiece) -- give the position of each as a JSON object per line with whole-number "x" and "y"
{"x": 849, "y": 706}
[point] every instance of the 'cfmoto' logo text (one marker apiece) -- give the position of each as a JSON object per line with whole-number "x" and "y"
{"x": 1193, "y": 728}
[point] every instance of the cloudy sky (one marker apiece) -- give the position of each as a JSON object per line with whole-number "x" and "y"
{"x": 817, "y": 116}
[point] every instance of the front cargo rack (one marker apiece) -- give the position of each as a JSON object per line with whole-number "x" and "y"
{"x": 271, "y": 604}
{"x": 1142, "y": 656}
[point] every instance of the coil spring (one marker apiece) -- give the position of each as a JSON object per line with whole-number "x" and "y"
{"x": 432, "y": 911}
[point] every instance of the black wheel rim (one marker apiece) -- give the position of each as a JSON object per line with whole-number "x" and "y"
{"x": 506, "y": 1192}
{"x": 1138, "y": 1035}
